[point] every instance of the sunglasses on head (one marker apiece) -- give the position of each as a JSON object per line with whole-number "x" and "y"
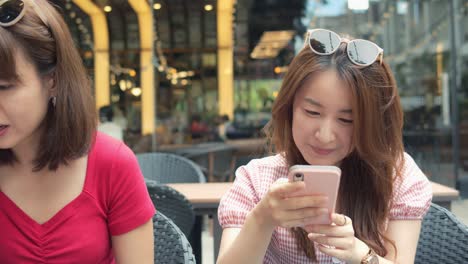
{"x": 11, "y": 11}
{"x": 360, "y": 52}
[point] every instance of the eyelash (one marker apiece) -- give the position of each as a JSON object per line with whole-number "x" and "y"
{"x": 5, "y": 87}
{"x": 344, "y": 120}
{"x": 347, "y": 121}
{"x": 312, "y": 112}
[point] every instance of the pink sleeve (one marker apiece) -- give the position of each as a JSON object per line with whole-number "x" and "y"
{"x": 239, "y": 200}
{"x": 412, "y": 194}
{"x": 129, "y": 204}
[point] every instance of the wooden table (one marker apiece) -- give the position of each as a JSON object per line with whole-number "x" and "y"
{"x": 203, "y": 195}
{"x": 205, "y": 198}
{"x": 444, "y": 195}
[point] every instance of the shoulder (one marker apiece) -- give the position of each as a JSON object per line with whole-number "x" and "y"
{"x": 412, "y": 192}
{"x": 410, "y": 171}
{"x": 273, "y": 166}
{"x": 110, "y": 163}
{"x": 104, "y": 143}
{"x": 271, "y": 162}
{"x": 261, "y": 173}
{"x": 107, "y": 149}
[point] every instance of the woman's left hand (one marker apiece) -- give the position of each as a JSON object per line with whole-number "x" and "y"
{"x": 338, "y": 240}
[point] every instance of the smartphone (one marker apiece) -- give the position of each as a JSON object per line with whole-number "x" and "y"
{"x": 319, "y": 180}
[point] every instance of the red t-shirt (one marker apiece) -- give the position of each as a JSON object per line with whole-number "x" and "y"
{"x": 114, "y": 201}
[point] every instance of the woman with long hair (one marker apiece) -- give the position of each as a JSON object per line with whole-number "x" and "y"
{"x": 68, "y": 194}
{"x": 338, "y": 105}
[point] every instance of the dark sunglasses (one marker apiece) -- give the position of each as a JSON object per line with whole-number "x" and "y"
{"x": 11, "y": 11}
{"x": 360, "y": 52}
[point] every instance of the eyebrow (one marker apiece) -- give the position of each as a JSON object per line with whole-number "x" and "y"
{"x": 313, "y": 102}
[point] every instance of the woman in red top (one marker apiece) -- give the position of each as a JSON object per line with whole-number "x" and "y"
{"x": 67, "y": 193}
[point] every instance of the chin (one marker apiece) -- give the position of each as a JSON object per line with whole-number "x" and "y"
{"x": 2, "y": 148}
{"x": 6, "y": 144}
{"x": 321, "y": 161}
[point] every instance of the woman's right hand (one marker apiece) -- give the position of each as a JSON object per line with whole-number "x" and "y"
{"x": 279, "y": 208}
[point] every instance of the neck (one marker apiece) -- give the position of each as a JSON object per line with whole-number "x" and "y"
{"x": 26, "y": 151}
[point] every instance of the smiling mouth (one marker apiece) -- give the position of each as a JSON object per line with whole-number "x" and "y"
{"x": 321, "y": 151}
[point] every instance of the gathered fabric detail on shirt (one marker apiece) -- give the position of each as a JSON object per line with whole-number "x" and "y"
{"x": 81, "y": 231}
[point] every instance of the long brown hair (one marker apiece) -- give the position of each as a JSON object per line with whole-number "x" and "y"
{"x": 368, "y": 172}
{"x": 43, "y": 36}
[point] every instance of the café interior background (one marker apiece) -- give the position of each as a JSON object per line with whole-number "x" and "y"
{"x": 162, "y": 63}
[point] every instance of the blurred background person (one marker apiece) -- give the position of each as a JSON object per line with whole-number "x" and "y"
{"x": 107, "y": 124}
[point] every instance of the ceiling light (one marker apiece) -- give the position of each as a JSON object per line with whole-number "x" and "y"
{"x": 129, "y": 84}
{"x": 157, "y": 6}
{"x": 208, "y": 7}
{"x": 136, "y": 91}
{"x": 123, "y": 85}
{"x": 107, "y": 8}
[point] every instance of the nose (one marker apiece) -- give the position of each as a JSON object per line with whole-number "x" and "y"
{"x": 325, "y": 133}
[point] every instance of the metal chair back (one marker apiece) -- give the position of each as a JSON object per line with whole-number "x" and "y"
{"x": 169, "y": 168}
{"x": 173, "y": 205}
{"x": 170, "y": 244}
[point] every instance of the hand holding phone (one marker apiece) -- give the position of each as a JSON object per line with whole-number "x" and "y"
{"x": 319, "y": 180}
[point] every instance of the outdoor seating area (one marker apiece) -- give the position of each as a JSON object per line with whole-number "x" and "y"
{"x": 292, "y": 131}
{"x": 186, "y": 183}
{"x": 189, "y": 202}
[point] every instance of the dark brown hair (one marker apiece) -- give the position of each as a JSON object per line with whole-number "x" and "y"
{"x": 69, "y": 127}
{"x": 366, "y": 186}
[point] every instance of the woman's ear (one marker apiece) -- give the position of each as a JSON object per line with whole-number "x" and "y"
{"x": 50, "y": 84}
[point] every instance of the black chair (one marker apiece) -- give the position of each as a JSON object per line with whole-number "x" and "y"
{"x": 443, "y": 238}
{"x": 169, "y": 168}
{"x": 170, "y": 244}
{"x": 173, "y": 205}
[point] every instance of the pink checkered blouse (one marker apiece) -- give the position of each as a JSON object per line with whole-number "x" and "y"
{"x": 412, "y": 198}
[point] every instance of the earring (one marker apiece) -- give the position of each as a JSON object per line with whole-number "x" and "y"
{"x": 54, "y": 100}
